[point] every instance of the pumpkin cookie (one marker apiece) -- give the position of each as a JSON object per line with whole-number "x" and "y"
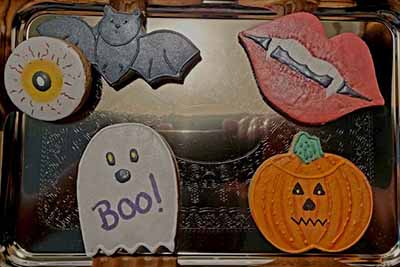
{"x": 307, "y": 199}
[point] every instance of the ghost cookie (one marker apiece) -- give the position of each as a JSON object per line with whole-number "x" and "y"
{"x": 127, "y": 191}
{"x": 46, "y": 78}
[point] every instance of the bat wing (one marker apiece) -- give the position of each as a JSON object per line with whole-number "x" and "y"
{"x": 165, "y": 56}
{"x": 73, "y": 30}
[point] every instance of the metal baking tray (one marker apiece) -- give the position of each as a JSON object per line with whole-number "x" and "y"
{"x": 40, "y": 224}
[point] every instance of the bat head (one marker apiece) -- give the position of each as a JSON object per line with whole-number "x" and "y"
{"x": 119, "y": 28}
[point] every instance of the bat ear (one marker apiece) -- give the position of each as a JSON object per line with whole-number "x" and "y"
{"x": 108, "y": 10}
{"x": 136, "y": 12}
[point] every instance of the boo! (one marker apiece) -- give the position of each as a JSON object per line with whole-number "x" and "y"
{"x": 141, "y": 204}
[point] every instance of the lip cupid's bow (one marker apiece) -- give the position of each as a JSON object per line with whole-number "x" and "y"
{"x": 307, "y": 76}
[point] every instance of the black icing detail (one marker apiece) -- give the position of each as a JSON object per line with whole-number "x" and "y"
{"x": 309, "y": 205}
{"x": 314, "y": 223}
{"x": 345, "y": 89}
{"x": 298, "y": 190}
{"x": 319, "y": 190}
{"x": 110, "y": 158}
{"x": 284, "y": 57}
{"x": 123, "y": 175}
{"x": 41, "y": 81}
{"x": 261, "y": 41}
{"x": 134, "y": 155}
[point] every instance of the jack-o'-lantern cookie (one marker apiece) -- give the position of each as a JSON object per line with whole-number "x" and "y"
{"x": 307, "y": 199}
{"x": 46, "y": 78}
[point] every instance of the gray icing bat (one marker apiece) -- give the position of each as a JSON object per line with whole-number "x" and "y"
{"x": 120, "y": 49}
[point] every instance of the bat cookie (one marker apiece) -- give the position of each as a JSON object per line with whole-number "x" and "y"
{"x": 122, "y": 51}
{"x": 307, "y": 76}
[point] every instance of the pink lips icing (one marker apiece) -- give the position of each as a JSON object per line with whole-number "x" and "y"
{"x": 307, "y": 76}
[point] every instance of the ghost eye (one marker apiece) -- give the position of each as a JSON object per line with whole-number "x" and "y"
{"x": 318, "y": 190}
{"x": 112, "y": 20}
{"x": 110, "y": 158}
{"x": 298, "y": 190}
{"x": 125, "y": 21}
{"x": 134, "y": 155}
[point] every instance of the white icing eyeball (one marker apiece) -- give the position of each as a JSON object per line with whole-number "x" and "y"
{"x": 47, "y": 78}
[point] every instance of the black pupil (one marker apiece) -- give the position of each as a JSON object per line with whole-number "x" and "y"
{"x": 41, "y": 80}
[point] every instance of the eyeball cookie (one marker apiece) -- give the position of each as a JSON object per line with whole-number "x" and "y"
{"x": 48, "y": 79}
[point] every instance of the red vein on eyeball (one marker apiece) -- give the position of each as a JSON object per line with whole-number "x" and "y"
{"x": 31, "y": 51}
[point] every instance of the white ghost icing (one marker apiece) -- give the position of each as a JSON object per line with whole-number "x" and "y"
{"x": 127, "y": 191}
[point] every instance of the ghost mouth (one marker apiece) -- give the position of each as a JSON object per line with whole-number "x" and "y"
{"x": 309, "y": 221}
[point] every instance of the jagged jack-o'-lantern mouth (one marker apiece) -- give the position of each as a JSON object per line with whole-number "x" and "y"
{"x": 309, "y": 221}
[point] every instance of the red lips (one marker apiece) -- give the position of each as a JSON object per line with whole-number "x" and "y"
{"x": 293, "y": 92}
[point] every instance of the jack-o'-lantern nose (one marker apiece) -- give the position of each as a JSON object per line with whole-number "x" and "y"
{"x": 309, "y": 205}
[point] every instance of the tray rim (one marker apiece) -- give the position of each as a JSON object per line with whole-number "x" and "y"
{"x": 18, "y": 256}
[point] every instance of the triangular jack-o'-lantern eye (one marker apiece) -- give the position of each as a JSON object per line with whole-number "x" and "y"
{"x": 298, "y": 190}
{"x": 318, "y": 190}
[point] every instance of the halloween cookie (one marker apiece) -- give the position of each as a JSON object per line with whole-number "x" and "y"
{"x": 307, "y": 76}
{"x": 122, "y": 51}
{"x": 46, "y": 78}
{"x": 127, "y": 191}
{"x": 307, "y": 199}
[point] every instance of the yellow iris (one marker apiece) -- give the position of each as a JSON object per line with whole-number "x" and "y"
{"x": 54, "y": 73}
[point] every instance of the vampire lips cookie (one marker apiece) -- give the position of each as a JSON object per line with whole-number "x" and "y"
{"x": 307, "y": 199}
{"x": 307, "y": 76}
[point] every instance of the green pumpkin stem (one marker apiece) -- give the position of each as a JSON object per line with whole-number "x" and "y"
{"x": 307, "y": 147}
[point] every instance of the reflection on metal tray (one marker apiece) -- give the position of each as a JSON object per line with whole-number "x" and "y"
{"x": 214, "y": 204}
{"x": 220, "y": 129}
